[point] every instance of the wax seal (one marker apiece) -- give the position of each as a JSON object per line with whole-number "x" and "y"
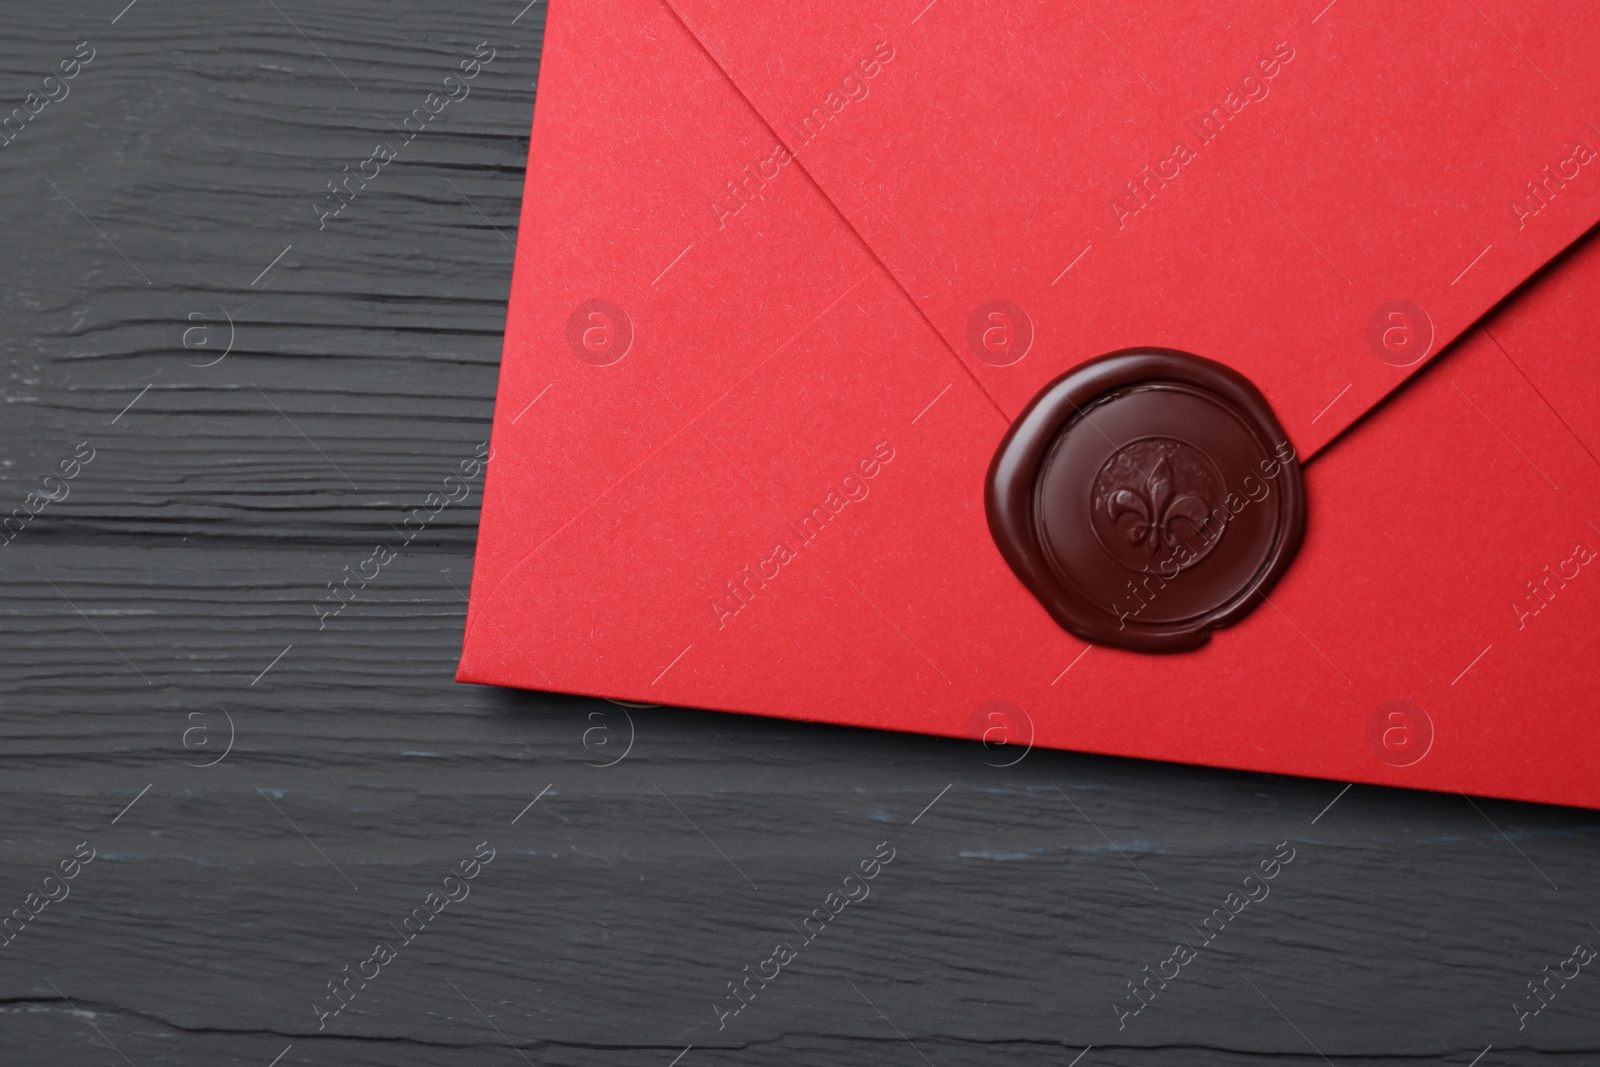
{"x": 1147, "y": 498}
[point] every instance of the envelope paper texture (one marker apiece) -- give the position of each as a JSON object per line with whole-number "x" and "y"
{"x": 787, "y": 273}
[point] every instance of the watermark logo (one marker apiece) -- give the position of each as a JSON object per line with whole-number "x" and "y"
{"x": 1400, "y": 333}
{"x": 38, "y": 500}
{"x": 454, "y": 889}
{"x": 853, "y": 889}
{"x": 738, "y": 593}
{"x": 52, "y": 90}
{"x": 851, "y": 87}
{"x": 1144, "y": 987}
{"x": 1003, "y": 730}
{"x": 341, "y": 193}
{"x": 599, "y": 742}
{"x": 999, "y": 333}
{"x": 1542, "y": 993}
{"x": 458, "y": 488}
{"x": 197, "y": 738}
{"x": 1164, "y": 502}
{"x": 1204, "y": 127}
{"x": 1544, "y": 587}
{"x": 1548, "y": 183}
{"x": 198, "y": 337}
{"x": 750, "y": 186}
{"x": 1399, "y": 733}
{"x": 12, "y": 925}
{"x": 599, "y": 332}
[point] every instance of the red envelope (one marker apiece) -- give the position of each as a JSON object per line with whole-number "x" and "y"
{"x": 752, "y": 381}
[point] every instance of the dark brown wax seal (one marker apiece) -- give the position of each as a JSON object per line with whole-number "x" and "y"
{"x": 1146, "y": 498}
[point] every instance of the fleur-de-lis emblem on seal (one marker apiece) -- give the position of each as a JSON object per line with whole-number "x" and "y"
{"x": 1154, "y": 507}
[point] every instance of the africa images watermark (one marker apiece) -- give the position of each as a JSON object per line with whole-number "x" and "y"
{"x": 741, "y": 995}
{"x": 1583, "y": 954}
{"x": 851, "y": 87}
{"x": 1255, "y": 887}
{"x": 458, "y": 488}
{"x": 34, "y": 104}
{"x": 455, "y": 889}
{"x": 1158, "y": 507}
{"x": 36, "y": 902}
{"x": 37, "y": 501}
{"x": 341, "y": 195}
{"x": 1548, "y": 183}
{"x": 1253, "y": 88}
{"x": 1542, "y": 590}
{"x": 851, "y": 489}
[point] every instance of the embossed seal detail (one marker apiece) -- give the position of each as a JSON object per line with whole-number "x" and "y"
{"x": 1154, "y": 495}
{"x": 1146, "y": 498}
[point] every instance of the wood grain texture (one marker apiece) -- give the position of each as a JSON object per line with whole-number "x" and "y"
{"x": 172, "y": 592}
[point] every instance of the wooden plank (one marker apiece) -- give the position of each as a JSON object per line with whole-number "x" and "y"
{"x": 189, "y": 154}
{"x": 169, "y": 604}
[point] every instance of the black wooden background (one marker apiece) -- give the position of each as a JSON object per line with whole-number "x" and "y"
{"x": 158, "y": 618}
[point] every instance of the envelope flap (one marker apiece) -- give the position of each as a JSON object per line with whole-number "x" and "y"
{"x": 1320, "y": 198}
